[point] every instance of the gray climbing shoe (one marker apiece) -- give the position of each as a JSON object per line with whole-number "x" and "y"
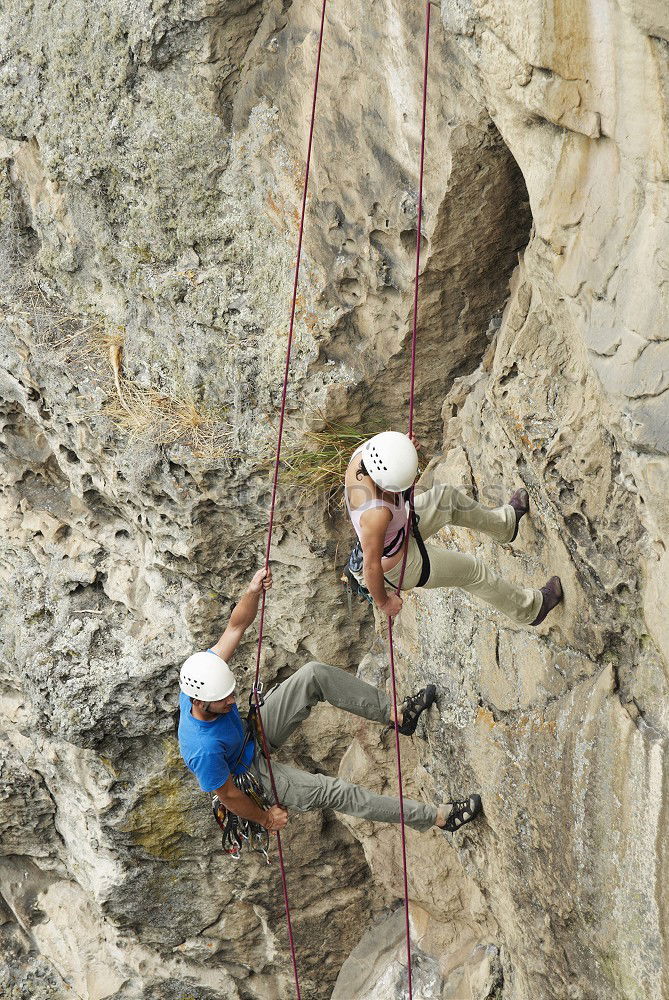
{"x": 413, "y": 707}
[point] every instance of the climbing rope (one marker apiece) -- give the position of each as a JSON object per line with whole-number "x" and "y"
{"x": 256, "y": 692}
{"x": 256, "y": 684}
{"x": 412, "y": 379}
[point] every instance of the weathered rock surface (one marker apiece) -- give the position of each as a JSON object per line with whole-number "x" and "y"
{"x": 151, "y": 172}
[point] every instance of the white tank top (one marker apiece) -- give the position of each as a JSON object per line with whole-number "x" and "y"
{"x": 394, "y": 536}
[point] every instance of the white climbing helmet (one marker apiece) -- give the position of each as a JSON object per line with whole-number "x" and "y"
{"x": 391, "y": 460}
{"x": 207, "y": 677}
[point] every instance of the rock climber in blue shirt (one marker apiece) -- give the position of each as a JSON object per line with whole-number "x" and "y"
{"x": 216, "y": 747}
{"x": 211, "y": 730}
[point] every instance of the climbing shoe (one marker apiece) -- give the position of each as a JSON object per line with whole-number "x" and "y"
{"x": 462, "y": 812}
{"x": 520, "y": 501}
{"x": 552, "y": 595}
{"x": 412, "y": 708}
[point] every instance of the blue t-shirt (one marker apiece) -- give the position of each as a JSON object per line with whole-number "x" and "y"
{"x": 211, "y": 749}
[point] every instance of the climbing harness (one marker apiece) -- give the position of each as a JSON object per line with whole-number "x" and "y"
{"x": 352, "y": 573}
{"x": 236, "y": 830}
{"x": 412, "y": 379}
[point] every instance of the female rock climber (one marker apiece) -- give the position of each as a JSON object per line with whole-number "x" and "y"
{"x": 378, "y": 478}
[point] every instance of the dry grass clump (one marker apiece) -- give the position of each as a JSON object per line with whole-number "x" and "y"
{"x": 96, "y": 347}
{"x": 92, "y": 347}
{"x": 55, "y": 328}
{"x": 164, "y": 419}
{"x": 317, "y": 472}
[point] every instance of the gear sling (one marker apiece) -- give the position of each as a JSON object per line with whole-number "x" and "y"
{"x": 235, "y": 829}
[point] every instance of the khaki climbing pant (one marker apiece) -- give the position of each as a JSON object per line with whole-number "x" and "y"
{"x": 444, "y": 505}
{"x": 287, "y": 706}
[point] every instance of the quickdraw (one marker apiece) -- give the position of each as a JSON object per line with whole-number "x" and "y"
{"x": 238, "y": 831}
{"x": 352, "y": 585}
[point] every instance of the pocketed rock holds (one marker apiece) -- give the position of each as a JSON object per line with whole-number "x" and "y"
{"x": 151, "y": 176}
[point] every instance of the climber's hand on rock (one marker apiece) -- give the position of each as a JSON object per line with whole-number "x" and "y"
{"x": 276, "y": 818}
{"x": 414, "y": 440}
{"x": 392, "y": 605}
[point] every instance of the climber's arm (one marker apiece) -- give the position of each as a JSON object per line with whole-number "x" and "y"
{"x": 243, "y": 615}
{"x": 274, "y": 818}
{"x": 373, "y": 524}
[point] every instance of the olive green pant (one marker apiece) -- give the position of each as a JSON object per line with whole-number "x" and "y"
{"x": 444, "y": 505}
{"x": 287, "y": 706}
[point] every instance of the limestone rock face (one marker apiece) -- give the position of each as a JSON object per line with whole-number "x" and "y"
{"x": 152, "y": 159}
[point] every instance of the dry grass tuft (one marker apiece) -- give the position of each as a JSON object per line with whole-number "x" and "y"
{"x": 55, "y": 328}
{"x": 164, "y": 419}
{"x": 96, "y": 347}
{"x": 318, "y": 472}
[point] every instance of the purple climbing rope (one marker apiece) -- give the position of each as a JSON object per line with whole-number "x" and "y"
{"x": 275, "y": 481}
{"x": 412, "y": 379}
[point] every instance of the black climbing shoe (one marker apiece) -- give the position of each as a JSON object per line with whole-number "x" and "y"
{"x": 552, "y": 595}
{"x": 520, "y": 501}
{"x": 462, "y": 812}
{"x": 412, "y": 708}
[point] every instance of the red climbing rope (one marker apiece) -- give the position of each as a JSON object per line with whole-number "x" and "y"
{"x": 412, "y": 380}
{"x": 273, "y": 499}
